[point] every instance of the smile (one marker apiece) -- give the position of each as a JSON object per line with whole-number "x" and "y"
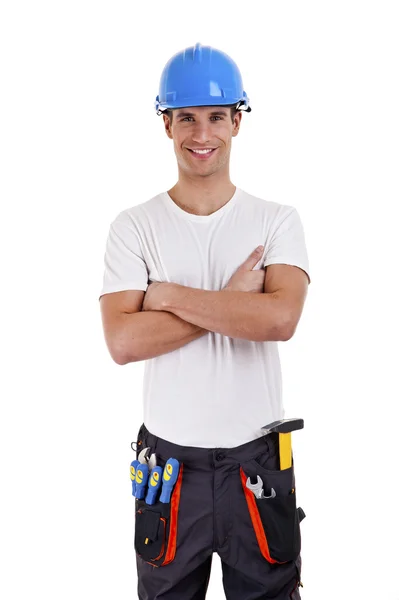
{"x": 202, "y": 155}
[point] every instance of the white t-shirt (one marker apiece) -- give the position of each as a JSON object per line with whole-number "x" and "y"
{"x": 215, "y": 391}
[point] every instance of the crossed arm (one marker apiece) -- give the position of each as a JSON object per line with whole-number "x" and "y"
{"x": 246, "y": 315}
{"x": 273, "y": 315}
{"x": 170, "y": 315}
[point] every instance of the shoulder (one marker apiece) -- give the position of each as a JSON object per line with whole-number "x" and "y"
{"x": 135, "y": 215}
{"x": 275, "y": 211}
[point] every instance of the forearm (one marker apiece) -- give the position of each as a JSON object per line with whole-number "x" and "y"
{"x": 246, "y": 315}
{"x": 152, "y": 333}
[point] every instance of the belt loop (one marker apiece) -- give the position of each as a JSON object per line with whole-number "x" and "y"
{"x": 143, "y": 436}
{"x": 139, "y": 443}
{"x": 145, "y": 433}
{"x": 155, "y": 444}
{"x": 272, "y": 443}
{"x": 267, "y": 442}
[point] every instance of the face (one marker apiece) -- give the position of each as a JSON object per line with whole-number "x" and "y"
{"x": 199, "y": 127}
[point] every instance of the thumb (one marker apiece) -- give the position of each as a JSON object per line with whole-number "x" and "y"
{"x": 253, "y": 258}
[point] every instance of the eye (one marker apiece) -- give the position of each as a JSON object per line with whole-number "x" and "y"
{"x": 214, "y": 117}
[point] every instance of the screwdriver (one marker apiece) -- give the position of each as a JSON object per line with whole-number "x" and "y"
{"x": 169, "y": 478}
{"x": 154, "y": 484}
{"x": 141, "y": 480}
{"x": 133, "y": 468}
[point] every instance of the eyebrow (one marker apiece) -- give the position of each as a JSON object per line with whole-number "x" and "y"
{"x": 189, "y": 114}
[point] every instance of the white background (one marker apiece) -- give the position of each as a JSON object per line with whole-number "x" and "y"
{"x": 80, "y": 141}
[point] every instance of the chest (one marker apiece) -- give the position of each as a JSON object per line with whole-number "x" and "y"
{"x": 198, "y": 256}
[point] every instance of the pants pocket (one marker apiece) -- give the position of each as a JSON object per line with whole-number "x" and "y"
{"x": 155, "y": 534}
{"x": 275, "y": 519}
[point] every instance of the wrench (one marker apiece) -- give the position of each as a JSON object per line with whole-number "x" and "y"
{"x": 143, "y": 458}
{"x": 257, "y": 488}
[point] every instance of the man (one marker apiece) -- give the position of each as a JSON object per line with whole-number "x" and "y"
{"x": 208, "y": 324}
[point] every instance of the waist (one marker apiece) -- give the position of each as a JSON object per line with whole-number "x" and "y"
{"x": 206, "y": 457}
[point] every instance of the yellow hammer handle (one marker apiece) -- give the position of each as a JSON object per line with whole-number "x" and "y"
{"x": 285, "y": 450}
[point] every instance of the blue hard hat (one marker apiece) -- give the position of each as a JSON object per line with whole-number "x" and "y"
{"x": 200, "y": 76}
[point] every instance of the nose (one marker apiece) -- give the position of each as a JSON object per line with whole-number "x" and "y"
{"x": 201, "y": 133}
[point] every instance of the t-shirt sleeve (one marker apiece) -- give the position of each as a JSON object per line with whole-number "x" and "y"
{"x": 286, "y": 244}
{"x": 124, "y": 265}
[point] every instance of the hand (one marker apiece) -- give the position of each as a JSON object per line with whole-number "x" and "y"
{"x": 245, "y": 279}
{"x": 154, "y": 296}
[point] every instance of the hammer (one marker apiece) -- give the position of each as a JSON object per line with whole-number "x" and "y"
{"x": 284, "y": 428}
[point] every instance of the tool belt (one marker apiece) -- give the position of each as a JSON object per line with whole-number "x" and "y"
{"x": 271, "y": 503}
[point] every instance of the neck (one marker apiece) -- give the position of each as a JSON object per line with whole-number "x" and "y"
{"x": 199, "y": 199}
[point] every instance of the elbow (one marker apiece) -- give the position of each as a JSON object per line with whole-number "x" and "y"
{"x": 285, "y": 335}
{"x": 119, "y": 359}
{"x": 120, "y": 356}
{"x": 117, "y": 356}
{"x": 122, "y": 359}
{"x": 287, "y": 329}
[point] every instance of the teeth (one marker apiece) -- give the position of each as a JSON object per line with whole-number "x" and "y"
{"x": 203, "y": 151}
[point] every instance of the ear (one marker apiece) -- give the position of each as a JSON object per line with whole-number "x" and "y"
{"x": 237, "y": 122}
{"x": 168, "y": 127}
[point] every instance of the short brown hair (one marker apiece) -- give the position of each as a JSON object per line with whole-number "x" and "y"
{"x": 232, "y": 107}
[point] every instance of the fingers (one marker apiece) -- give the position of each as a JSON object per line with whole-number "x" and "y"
{"x": 253, "y": 258}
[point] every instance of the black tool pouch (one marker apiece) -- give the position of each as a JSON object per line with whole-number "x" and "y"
{"x": 276, "y": 519}
{"x": 155, "y": 536}
{"x": 151, "y": 531}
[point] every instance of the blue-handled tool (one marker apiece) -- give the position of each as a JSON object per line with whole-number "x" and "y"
{"x": 141, "y": 480}
{"x": 169, "y": 478}
{"x": 133, "y": 468}
{"x": 154, "y": 484}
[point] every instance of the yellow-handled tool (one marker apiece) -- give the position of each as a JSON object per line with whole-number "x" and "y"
{"x": 284, "y": 429}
